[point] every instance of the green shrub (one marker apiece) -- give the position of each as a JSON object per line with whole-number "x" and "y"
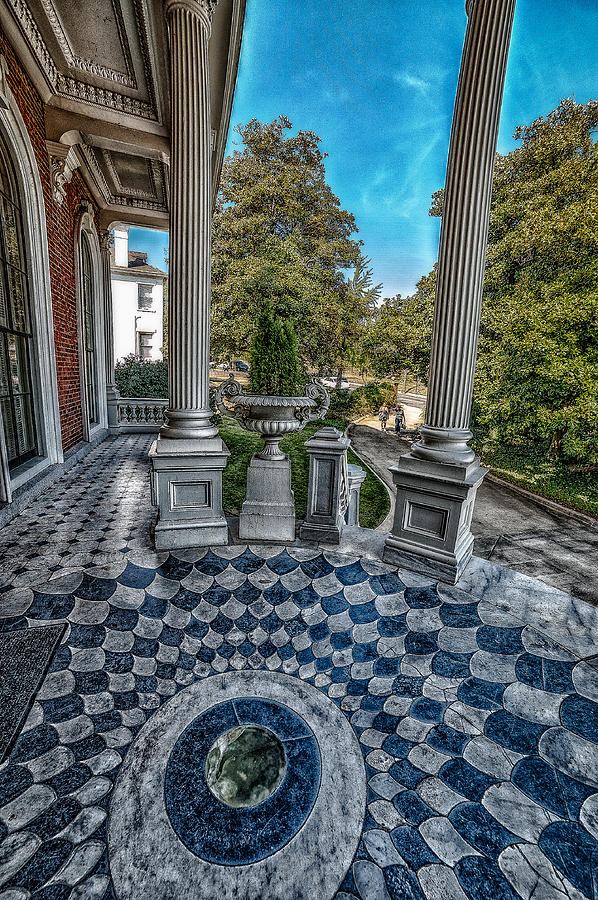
{"x": 342, "y": 403}
{"x": 368, "y": 399}
{"x": 274, "y": 361}
{"x": 137, "y": 377}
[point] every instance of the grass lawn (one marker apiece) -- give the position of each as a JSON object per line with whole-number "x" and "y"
{"x": 243, "y": 444}
{"x": 554, "y": 480}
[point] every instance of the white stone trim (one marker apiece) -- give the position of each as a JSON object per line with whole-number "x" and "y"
{"x": 86, "y": 224}
{"x": 35, "y": 243}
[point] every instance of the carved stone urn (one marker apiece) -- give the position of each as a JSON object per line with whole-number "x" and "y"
{"x": 268, "y": 512}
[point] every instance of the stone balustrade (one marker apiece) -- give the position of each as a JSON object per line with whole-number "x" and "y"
{"x": 141, "y": 414}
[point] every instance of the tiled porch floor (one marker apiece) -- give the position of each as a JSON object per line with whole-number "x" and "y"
{"x": 474, "y": 714}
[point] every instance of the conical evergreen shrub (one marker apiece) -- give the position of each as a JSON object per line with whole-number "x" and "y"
{"x": 275, "y": 365}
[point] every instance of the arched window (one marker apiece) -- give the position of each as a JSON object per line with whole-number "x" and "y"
{"x": 16, "y": 333}
{"x": 88, "y": 293}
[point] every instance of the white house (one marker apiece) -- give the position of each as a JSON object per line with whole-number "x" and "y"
{"x": 137, "y": 301}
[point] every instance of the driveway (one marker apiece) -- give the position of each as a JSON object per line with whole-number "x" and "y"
{"x": 509, "y": 529}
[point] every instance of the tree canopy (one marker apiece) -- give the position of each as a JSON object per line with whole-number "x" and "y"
{"x": 279, "y": 228}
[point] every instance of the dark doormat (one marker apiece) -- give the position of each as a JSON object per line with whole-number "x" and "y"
{"x": 25, "y": 657}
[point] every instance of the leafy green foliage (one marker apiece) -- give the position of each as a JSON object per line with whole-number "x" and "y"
{"x": 137, "y": 377}
{"x": 276, "y": 219}
{"x": 399, "y": 332}
{"x": 274, "y": 361}
{"x": 537, "y": 372}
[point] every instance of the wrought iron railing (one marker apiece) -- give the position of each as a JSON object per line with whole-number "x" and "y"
{"x": 141, "y": 413}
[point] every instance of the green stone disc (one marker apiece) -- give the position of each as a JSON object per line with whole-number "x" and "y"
{"x": 245, "y": 766}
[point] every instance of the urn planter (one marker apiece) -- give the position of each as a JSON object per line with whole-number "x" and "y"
{"x": 268, "y": 512}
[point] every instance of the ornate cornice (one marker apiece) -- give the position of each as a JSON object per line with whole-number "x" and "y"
{"x": 109, "y": 198}
{"x": 63, "y": 162}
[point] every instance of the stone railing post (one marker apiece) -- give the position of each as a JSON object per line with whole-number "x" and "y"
{"x": 327, "y": 496}
{"x": 189, "y": 456}
{"x": 112, "y": 394}
{"x": 357, "y": 476}
{"x": 438, "y": 479}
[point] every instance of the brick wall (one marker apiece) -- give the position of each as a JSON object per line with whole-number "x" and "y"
{"x": 61, "y": 222}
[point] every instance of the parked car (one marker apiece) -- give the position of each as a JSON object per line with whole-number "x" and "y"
{"x": 241, "y": 366}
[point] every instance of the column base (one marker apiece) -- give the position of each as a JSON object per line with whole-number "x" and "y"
{"x": 187, "y": 489}
{"x": 268, "y": 512}
{"x": 112, "y": 398}
{"x": 431, "y": 531}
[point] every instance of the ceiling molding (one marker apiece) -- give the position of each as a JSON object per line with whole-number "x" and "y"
{"x": 68, "y": 86}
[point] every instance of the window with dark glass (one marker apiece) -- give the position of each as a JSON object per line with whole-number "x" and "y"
{"x": 144, "y": 296}
{"x": 16, "y": 336}
{"x": 88, "y": 304}
{"x": 144, "y": 344}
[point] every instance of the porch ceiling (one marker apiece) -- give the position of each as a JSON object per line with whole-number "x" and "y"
{"x": 102, "y": 70}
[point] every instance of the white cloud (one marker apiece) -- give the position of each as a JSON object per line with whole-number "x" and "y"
{"x": 412, "y": 81}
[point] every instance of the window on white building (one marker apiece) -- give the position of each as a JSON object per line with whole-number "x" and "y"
{"x": 144, "y": 296}
{"x": 144, "y": 344}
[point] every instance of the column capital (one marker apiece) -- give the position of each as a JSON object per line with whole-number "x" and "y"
{"x": 106, "y": 241}
{"x": 203, "y": 9}
{"x": 469, "y": 7}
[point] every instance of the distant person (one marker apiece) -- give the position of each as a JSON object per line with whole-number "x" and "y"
{"x": 399, "y": 419}
{"x": 383, "y": 414}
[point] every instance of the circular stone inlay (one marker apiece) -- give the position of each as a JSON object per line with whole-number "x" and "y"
{"x": 236, "y": 834}
{"x": 298, "y": 843}
{"x": 245, "y": 766}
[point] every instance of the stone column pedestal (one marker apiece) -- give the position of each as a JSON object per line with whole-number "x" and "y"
{"x": 268, "y": 511}
{"x": 328, "y": 489}
{"x": 187, "y": 489}
{"x": 431, "y": 529}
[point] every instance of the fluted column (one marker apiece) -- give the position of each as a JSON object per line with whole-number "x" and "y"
{"x": 188, "y": 414}
{"x": 438, "y": 479}
{"x": 464, "y": 233}
{"x": 112, "y": 395}
{"x": 189, "y": 456}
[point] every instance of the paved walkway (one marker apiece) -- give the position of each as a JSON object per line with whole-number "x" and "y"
{"x": 436, "y": 743}
{"x": 509, "y": 529}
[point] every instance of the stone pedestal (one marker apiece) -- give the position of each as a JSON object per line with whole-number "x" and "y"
{"x": 268, "y": 511}
{"x": 187, "y": 489}
{"x": 328, "y": 492}
{"x": 431, "y": 530}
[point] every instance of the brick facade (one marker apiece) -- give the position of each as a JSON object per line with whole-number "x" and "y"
{"x": 61, "y": 224}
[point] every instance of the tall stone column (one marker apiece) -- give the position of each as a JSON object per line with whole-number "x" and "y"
{"x": 189, "y": 456}
{"x": 438, "y": 479}
{"x": 112, "y": 395}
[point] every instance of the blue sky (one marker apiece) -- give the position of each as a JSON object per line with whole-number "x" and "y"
{"x": 376, "y": 80}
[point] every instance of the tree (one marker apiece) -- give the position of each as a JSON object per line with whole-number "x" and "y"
{"x": 399, "y": 332}
{"x": 277, "y": 219}
{"x": 537, "y": 372}
{"x": 274, "y": 362}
